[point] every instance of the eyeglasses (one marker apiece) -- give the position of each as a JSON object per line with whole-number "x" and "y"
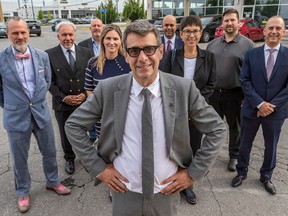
{"x": 148, "y": 50}
{"x": 188, "y": 32}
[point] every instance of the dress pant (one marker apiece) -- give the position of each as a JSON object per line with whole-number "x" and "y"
{"x": 133, "y": 204}
{"x": 227, "y": 103}
{"x": 19, "y": 144}
{"x": 271, "y": 132}
{"x": 61, "y": 118}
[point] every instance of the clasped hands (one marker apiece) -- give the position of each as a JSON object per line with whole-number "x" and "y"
{"x": 178, "y": 182}
{"x": 265, "y": 109}
{"x": 74, "y": 100}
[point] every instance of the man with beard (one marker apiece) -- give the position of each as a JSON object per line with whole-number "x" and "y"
{"x": 227, "y": 98}
{"x": 68, "y": 63}
{"x": 264, "y": 79}
{"x": 25, "y": 77}
{"x": 170, "y": 40}
{"x": 93, "y": 43}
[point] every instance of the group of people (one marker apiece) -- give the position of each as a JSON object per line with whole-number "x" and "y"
{"x": 160, "y": 112}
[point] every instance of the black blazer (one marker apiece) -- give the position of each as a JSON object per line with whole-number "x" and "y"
{"x": 178, "y": 45}
{"x": 64, "y": 80}
{"x": 204, "y": 76}
{"x": 88, "y": 44}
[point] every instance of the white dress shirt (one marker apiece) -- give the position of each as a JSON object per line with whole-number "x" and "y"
{"x": 66, "y": 54}
{"x": 129, "y": 161}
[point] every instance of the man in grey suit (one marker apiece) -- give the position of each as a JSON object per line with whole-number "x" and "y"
{"x": 25, "y": 77}
{"x": 123, "y": 147}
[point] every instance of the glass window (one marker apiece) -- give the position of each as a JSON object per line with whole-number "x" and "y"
{"x": 178, "y": 12}
{"x": 156, "y": 13}
{"x": 263, "y": 2}
{"x": 156, "y": 4}
{"x": 197, "y": 11}
{"x": 248, "y": 2}
{"x": 228, "y": 2}
{"x": 268, "y": 11}
{"x": 214, "y": 3}
{"x": 284, "y": 1}
{"x": 213, "y": 11}
{"x": 283, "y": 11}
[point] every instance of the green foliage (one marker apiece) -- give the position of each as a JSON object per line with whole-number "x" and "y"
{"x": 133, "y": 10}
{"x": 111, "y": 13}
{"x": 40, "y": 15}
{"x": 49, "y": 16}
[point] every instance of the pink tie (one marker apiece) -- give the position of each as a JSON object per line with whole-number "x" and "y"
{"x": 169, "y": 47}
{"x": 270, "y": 63}
{"x": 20, "y": 56}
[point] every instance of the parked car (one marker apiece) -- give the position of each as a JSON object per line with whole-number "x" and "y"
{"x": 248, "y": 27}
{"x": 158, "y": 23}
{"x": 209, "y": 25}
{"x": 55, "y": 22}
{"x": 262, "y": 20}
{"x": 34, "y": 27}
{"x": 3, "y": 29}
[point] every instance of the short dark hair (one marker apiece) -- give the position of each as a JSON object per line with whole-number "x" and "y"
{"x": 231, "y": 11}
{"x": 141, "y": 28}
{"x": 189, "y": 21}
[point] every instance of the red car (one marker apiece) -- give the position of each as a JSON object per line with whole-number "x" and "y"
{"x": 248, "y": 27}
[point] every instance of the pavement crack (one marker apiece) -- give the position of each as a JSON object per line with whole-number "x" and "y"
{"x": 214, "y": 195}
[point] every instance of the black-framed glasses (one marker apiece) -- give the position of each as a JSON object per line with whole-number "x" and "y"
{"x": 148, "y": 50}
{"x": 188, "y": 32}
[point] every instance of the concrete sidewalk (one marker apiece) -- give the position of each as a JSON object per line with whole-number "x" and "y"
{"x": 215, "y": 195}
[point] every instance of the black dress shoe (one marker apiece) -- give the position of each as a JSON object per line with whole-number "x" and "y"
{"x": 70, "y": 167}
{"x": 190, "y": 196}
{"x": 269, "y": 186}
{"x": 232, "y": 165}
{"x": 237, "y": 180}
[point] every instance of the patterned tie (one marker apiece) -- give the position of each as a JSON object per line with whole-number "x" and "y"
{"x": 21, "y": 56}
{"x": 169, "y": 46}
{"x": 147, "y": 147}
{"x": 71, "y": 60}
{"x": 270, "y": 63}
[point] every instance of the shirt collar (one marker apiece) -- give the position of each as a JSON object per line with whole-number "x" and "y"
{"x": 153, "y": 88}
{"x": 266, "y": 47}
{"x": 16, "y": 51}
{"x": 65, "y": 49}
{"x": 172, "y": 39}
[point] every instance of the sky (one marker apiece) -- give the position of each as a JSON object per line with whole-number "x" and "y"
{"x": 50, "y": 2}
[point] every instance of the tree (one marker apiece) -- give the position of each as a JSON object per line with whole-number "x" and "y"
{"x": 49, "y": 16}
{"x": 40, "y": 15}
{"x": 133, "y": 10}
{"x": 111, "y": 12}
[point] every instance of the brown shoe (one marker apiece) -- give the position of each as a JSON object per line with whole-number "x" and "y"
{"x": 60, "y": 189}
{"x": 23, "y": 204}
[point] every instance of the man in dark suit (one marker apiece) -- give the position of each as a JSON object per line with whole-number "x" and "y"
{"x": 264, "y": 79}
{"x": 68, "y": 62}
{"x": 93, "y": 43}
{"x": 170, "y": 40}
{"x": 127, "y": 142}
{"x": 25, "y": 77}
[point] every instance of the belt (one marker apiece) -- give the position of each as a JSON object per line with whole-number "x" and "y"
{"x": 227, "y": 90}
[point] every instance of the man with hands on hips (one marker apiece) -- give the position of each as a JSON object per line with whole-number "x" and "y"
{"x": 144, "y": 152}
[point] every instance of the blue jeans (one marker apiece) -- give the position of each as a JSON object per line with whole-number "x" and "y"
{"x": 19, "y": 144}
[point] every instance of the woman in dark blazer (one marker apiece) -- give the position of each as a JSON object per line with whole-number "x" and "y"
{"x": 191, "y": 62}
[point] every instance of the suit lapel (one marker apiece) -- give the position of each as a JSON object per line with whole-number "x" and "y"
{"x": 280, "y": 57}
{"x": 35, "y": 63}
{"x": 90, "y": 45}
{"x": 169, "y": 106}
{"x": 180, "y": 58}
{"x": 61, "y": 58}
{"x": 121, "y": 99}
{"x": 199, "y": 63}
{"x": 262, "y": 62}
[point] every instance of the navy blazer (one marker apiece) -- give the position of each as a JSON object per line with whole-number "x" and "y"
{"x": 258, "y": 89}
{"x": 204, "y": 76}
{"x": 178, "y": 45}
{"x": 87, "y": 44}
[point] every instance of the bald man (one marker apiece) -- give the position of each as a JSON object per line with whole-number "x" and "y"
{"x": 170, "y": 40}
{"x": 93, "y": 43}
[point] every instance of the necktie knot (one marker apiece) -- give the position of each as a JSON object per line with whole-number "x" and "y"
{"x": 21, "y": 56}
{"x": 169, "y": 45}
{"x": 271, "y": 51}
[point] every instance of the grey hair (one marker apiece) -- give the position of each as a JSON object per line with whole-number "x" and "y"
{"x": 17, "y": 19}
{"x": 141, "y": 28}
{"x": 58, "y": 26}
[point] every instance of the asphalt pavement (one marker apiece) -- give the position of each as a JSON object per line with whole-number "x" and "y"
{"x": 215, "y": 195}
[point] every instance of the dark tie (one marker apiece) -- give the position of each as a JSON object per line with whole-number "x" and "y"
{"x": 21, "y": 56}
{"x": 169, "y": 46}
{"x": 270, "y": 63}
{"x": 147, "y": 147}
{"x": 71, "y": 60}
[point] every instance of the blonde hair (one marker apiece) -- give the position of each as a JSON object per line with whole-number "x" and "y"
{"x": 100, "y": 63}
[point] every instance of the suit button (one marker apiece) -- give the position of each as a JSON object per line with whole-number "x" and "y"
{"x": 78, "y": 80}
{"x": 30, "y": 104}
{"x": 78, "y": 90}
{"x": 71, "y": 80}
{"x": 70, "y": 90}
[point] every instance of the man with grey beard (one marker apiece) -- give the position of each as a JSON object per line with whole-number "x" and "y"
{"x": 25, "y": 78}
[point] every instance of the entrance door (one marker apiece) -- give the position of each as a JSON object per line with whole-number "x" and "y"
{"x": 248, "y": 12}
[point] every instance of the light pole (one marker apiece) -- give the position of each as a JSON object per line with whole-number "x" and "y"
{"x": 33, "y": 10}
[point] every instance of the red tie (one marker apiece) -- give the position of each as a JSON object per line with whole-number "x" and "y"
{"x": 20, "y": 56}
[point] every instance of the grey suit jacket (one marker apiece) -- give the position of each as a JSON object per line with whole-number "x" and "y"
{"x": 87, "y": 44}
{"x": 181, "y": 101}
{"x": 17, "y": 106}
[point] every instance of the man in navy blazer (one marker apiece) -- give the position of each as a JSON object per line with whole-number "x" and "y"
{"x": 25, "y": 77}
{"x": 169, "y": 26}
{"x": 265, "y": 102}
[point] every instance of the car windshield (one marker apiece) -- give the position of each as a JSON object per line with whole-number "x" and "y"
{"x": 206, "y": 20}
